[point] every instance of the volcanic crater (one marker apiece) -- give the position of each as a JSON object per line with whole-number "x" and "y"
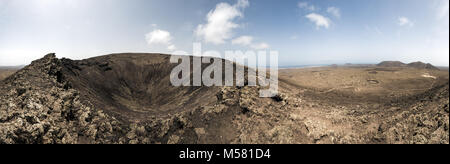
{"x": 134, "y": 87}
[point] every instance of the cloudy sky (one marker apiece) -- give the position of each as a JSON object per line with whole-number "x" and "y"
{"x": 305, "y": 32}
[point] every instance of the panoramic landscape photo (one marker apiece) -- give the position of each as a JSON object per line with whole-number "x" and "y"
{"x": 224, "y": 72}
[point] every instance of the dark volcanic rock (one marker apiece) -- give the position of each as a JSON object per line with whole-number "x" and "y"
{"x": 36, "y": 108}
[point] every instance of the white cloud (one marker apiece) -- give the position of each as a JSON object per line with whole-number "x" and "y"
{"x": 404, "y": 21}
{"x": 160, "y": 37}
{"x": 248, "y": 41}
{"x": 319, "y": 20}
{"x": 171, "y": 47}
{"x": 306, "y": 6}
{"x": 334, "y": 11}
{"x": 317, "y": 17}
{"x": 221, "y": 23}
{"x": 243, "y": 40}
{"x": 260, "y": 46}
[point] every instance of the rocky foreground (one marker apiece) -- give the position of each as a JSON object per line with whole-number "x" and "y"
{"x": 39, "y": 105}
{"x": 43, "y": 104}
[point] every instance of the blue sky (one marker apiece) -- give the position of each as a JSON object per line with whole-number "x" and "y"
{"x": 305, "y": 32}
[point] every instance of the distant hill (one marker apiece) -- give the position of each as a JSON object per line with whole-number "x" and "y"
{"x": 392, "y": 64}
{"x": 421, "y": 65}
{"x": 418, "y": 65}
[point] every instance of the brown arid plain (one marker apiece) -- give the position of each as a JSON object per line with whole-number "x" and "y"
{"x": 5, "y": 72}
{"x": 385, "y": 104}
{"x": 128, "y": 99}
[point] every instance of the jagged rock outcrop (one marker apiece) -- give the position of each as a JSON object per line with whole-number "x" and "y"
{"x": 38, "y": 107}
